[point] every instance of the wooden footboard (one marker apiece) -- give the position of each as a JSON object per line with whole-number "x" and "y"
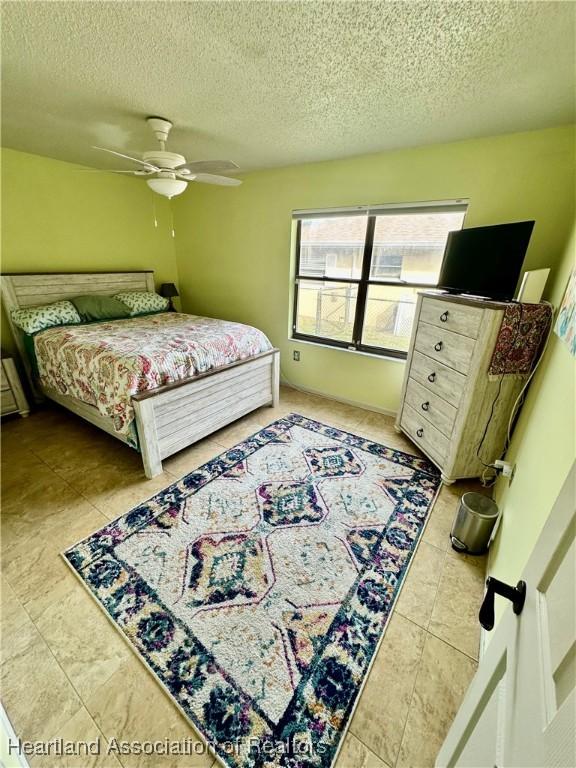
{"x": 173, "y": 417}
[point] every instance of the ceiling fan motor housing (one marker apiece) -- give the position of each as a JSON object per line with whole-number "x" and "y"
{"x": 162, "y": 159}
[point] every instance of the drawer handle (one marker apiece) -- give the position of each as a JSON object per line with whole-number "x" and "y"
{"x": 444, "y": 316}
{"x": 420, "y": 432}
{"x": 432, "y": 377}
{"x": 438, "y": 346}
{"x": 425, "y": 406}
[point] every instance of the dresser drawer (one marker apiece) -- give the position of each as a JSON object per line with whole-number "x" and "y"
{"x": 431, "y": 407}
{"x": 452, "y": 349}
{"x": 430, "y": 439}
{"x": 438, "y": 378}
{"x": 459, "y": 318}
{"x": 7, "y": 402}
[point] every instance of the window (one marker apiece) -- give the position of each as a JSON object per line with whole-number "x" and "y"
{"x": 358, "y": 272}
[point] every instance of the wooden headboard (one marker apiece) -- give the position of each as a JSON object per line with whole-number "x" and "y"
{"x": 29, "y": 290}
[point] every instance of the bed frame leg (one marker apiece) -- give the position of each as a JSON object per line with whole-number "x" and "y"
{"x": 147, "y": 437}
{"x": 275, "y": 379}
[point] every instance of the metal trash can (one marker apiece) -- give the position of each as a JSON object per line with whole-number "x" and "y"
{"x": 473, "y": 524}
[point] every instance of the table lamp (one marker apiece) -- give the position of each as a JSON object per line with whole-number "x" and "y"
{"x": 169, "y": 290}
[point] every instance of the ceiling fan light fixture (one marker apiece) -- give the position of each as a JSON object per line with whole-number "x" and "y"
{"x": 167, "y": 187}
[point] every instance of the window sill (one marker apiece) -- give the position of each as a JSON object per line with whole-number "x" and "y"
{"x": 388, "y": 358}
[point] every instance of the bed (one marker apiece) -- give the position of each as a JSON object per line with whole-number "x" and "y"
{"x": 161, "y": 418}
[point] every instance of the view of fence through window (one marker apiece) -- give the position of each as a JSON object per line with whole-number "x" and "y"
{"x": 336, "y": 296}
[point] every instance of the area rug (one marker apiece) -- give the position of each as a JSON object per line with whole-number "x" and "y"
{"x": 257, "y": 588}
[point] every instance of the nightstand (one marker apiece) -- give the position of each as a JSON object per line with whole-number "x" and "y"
{"x": 13, "y": 399}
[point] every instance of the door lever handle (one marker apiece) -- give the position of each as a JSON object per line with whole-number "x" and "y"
{"x": 516, "y": 595}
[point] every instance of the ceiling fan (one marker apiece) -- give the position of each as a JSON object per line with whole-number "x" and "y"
{"x": 169, "y": 172}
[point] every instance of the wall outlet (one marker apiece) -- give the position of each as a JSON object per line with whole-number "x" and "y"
{"x": 296, "y": 355}
{"x": 505, "y": 468}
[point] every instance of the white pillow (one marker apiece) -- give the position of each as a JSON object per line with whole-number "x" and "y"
{"x": 143, "y": 302}
{"x": 34, "y": 319}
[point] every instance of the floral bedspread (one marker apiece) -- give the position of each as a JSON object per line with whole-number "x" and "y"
{"x": 104, "y": 364}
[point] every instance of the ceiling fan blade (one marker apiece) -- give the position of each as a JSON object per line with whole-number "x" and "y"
{"x": 224, "y": 181}
{"x": 101, "y": 170}
{"x": 138, "y": 172}
{"x": 149, "y": 166}
{"x": 209, "y": 166}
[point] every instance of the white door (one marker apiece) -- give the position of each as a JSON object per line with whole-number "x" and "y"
{"x": 520, "y": 709}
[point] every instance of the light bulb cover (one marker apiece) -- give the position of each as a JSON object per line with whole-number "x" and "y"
{"x": 167, "y": 187}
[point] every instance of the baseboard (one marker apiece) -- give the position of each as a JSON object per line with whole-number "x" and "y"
{"x": 342, "y": 400}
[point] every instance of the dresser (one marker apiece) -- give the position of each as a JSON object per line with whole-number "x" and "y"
{"x": 450, "y": 408}
{"x": 12, "y": 395}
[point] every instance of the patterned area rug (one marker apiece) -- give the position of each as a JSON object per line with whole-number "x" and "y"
{"x": 258, "y": 587}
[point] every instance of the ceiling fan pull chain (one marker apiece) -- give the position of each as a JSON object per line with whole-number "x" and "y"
{"x": 171, "y": 219}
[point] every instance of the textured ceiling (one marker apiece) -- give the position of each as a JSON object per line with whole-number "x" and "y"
{"x": 276, "y": 83}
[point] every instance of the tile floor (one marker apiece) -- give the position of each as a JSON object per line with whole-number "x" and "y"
{"x": 66, "y": 672}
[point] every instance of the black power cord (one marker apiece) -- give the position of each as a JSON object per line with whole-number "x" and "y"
{"x": 490, "y": 417}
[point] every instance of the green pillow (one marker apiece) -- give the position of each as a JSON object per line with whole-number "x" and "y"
{"x": 100, "y": 308}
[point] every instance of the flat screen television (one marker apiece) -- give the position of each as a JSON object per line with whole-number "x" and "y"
{"x": 485, "y": 261}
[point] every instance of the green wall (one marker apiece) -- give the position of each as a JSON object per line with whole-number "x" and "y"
{"x": 543, "y": 448}
{"x": 55, "y": 217}
{"x": 233, "y": 244}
